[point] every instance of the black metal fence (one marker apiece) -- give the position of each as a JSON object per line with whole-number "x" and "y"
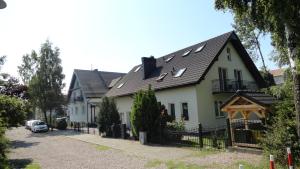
{"x": 198, "y": 137}
{"x": 247, "y": 132}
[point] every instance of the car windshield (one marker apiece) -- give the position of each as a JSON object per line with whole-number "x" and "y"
{"x": 40, "y": 123}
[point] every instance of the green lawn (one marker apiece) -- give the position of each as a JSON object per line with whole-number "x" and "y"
{"x": 102, "y": 148}
{"x": 33, "y": 166}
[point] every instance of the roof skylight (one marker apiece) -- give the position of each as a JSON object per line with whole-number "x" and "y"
{"x": 179, "y": 72}
{"x": 137, "y": 69}
{"x": 170, "y": 58}
{"x": 200, "y": 48}
{"x": 187, "y": 52}
{"x": 161, "y": 76}
{"x": 120, "y": 85}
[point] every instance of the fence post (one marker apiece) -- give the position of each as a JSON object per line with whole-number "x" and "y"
{"x": 272, "y": 165}
{"x": 241, "y": 166}
{"x": 200, "y": 135}
{"x": 229, "y": 141}
{"x": 290, "y": 161}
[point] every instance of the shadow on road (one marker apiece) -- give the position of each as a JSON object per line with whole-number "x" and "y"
{"x": 67, "y": 132}
{"x": 22, "y": 144}
{"x": 19, "y": 163}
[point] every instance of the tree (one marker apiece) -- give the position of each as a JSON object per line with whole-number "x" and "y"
{"x": 28, "y": 67}
{"x": 3, "y": 146}
{"x": 46, "y": 84}
{"x": 282, "y": 20}
{"x": 3, "y": 76}
{"x": 108, "y": 114}
{"x": 12, "y": 111}
{"x": 250, "y": 36}
{"x": 145, "y": 114}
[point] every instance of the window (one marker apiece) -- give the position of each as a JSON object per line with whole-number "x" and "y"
{"x": 172, "y": 110}
{"x": 238, "y": 79}
{"x": 169, "y": 58}
{"x": 137, "y": 69}
{"x": 200, "y": 48}
{"x": 186, "y": 52}
{"x": 76, "y": 110}
{"x": 185, "y": 111}
{"x": 120, "y": 85}
{"x": 122, "y": 117}
{"x": 228, "y": 54}
{"x": 161, "y": 77}
{"x": 218, "y": 111}
{"x": 82, "y": 109}
{"x": 179, "y": 72}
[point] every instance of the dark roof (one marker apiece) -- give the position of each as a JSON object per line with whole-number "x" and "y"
{"x": 197, "y": 64}
{"x": 259, "y": 98}
{"x": 93, "y": 83}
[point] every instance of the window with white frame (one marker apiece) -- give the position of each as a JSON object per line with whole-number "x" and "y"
{"x": 217, "y": 107}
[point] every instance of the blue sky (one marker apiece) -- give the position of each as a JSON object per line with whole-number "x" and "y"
{"x": 108, "y": 35}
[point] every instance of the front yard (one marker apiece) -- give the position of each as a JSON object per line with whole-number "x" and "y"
{"x": 69, "y": 149}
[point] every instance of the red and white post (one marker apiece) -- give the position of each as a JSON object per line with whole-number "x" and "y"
{"x": 272, "y": 165}
{"x": 290, "y": 160}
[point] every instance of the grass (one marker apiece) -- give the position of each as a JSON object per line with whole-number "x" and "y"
{"x": 203, "y": 152}
{"x": 153, "y": 163}
{"x": 172, "y": 165}
{"x": 102, "y": 148}
{"x": 33, "y": 166}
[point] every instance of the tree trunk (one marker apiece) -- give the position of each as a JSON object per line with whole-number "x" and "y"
{"x": 50, "y": 118}
{"x": 45, "y": 116}
{"x": 292, "y": 52}
{"x": 261, "y": 55}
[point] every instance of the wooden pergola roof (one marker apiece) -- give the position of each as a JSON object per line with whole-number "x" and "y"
{"x": 247, "y": 102}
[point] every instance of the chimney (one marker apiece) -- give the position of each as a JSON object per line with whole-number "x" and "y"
{"x": 149, "y": 65}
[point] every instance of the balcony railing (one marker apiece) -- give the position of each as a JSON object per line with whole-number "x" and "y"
{"x": 231, "y": 85}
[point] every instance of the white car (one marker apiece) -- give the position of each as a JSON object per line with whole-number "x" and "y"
{"x": 29, "y": 124}
{"x": 39, "y": 126}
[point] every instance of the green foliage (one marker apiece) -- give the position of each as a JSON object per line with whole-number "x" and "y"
{"x": 46, "y": 83}
{"x": 145, "y": 114}
{"x": 108, "y": 114}
{"x": 3, "y": 146}
{"x": 250, "y": 37}
{"x": 176, "y": 125}
{"x": 12, "y": 110}
{"x": 28, "y": 67}
{"x": 268, "y": 77}
{"x": 282, "y": 132}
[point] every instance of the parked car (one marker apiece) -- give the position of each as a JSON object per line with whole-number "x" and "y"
{"x": 28, "y": 124}
{"x": 39, "y": 126}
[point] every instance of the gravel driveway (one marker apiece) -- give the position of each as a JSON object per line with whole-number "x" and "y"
{"x": 72, "y": 150}
{"x": 55, "y": 151}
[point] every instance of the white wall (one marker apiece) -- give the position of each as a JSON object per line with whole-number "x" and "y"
{"x": 175, "y": 96}
{"x": 204, "y": 90}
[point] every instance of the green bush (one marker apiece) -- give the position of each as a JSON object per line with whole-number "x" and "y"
{"x": 108, "y": 115}
{"x": 3, "y": 146}
{"x": 12, "y": 111}
{"x": 145, "y": 114}
{"x": 282, "y": 131}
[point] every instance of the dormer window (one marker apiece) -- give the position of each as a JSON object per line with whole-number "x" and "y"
{"x": 169, "y": 58}
{"x": 186, "y": 52}
{"x": 228, "y": 54}
{"x": 200, "y": 48}
{"x": 179, "y": 73}
{"x": 120, "y": 85}
{"x": 137, "y": 69}
{"x": 161, "y": 77}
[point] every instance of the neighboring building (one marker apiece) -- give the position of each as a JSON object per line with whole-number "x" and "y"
{"x": 278, "y": 75}
{"x": 193, "y": 82}
{"x": 85, "y": 93}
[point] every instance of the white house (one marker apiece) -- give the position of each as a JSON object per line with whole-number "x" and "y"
{"x": 192, "y": 82}
{"x": 278, "y": 75}
{"x": 85, "y": 93}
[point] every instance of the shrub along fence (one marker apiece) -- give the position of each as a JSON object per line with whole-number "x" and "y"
{"x": 198, "y": 137}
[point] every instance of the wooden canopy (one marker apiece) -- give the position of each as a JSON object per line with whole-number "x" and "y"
{"x": 247, "y": 102}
